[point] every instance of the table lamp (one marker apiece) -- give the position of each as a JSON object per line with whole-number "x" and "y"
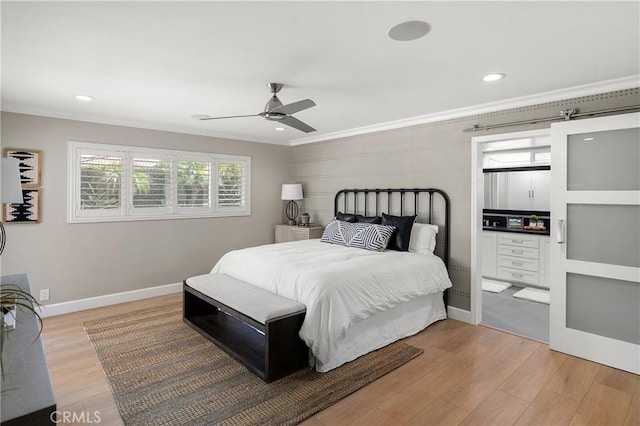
{"x": 291, "y": 192}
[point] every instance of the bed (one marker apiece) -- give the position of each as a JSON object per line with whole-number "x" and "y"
{"x": 357, "y": 300}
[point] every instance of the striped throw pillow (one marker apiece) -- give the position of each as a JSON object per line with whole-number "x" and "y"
{"x": 366, "y": 236}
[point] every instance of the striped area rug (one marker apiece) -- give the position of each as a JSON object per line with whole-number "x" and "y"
{"x": 162, "y": 372}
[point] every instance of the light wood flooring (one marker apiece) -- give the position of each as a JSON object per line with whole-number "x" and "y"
{"x": 469, "y": 375}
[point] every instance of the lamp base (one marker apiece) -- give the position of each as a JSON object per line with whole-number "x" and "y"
{"x": 292, "y": 212}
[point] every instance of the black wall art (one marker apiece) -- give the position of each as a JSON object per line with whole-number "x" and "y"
{"x": 28, "y": 212}
{"x": 29, "y": 165}
{"x": 30, "y": 178}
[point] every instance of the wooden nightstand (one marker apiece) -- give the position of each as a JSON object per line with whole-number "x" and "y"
{"x": 285, "y": 233}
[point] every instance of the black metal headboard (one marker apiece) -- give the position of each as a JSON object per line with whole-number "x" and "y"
{"x": 377, "y": 196}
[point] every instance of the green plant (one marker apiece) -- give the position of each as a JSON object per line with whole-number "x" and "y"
{"x": 533, "y": 218}
{"x": 12, "y": 296}
{"x": 304, "y": 214}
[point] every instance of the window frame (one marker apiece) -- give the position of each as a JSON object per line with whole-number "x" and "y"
{"x": 126, "y": 211}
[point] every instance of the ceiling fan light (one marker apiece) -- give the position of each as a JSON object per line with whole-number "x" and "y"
{"x": 274, "y": 116}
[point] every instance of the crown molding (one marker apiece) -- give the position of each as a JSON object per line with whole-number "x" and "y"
{"x": 8, "y": 107}
{"x": 623, "y": 83}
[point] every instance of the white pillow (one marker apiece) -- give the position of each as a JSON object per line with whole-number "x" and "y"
{"x": 423, "y": 238}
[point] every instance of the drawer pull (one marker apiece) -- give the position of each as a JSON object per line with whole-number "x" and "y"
{"x": 517, "y": 275}
{"x": 517, "y": 263}
{"x": 517, "y": 241}
{"x": 517, "y": 251}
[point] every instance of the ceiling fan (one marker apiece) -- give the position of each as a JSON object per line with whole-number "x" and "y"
{"x": 274, "y": 110}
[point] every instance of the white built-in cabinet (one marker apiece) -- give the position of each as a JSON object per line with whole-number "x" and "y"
{"x": 521, "y": 190}
{"x": 545, "y": 277}
{"x": 489, "y": 254}
{"x": 516, "y": 257}
{"x": 518, "y": 190}
{"x": 530, "y": 190}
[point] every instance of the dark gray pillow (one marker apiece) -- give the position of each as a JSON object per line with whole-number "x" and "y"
{"x": 402, "y": 235}
{"x": 346, "y": 217}
{"x": 369, "y": 219}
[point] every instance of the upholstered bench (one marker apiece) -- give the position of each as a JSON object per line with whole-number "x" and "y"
{"x": 256, "y": 327}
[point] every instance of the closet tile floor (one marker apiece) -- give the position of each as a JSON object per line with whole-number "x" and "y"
{"x": 523, "y": 317}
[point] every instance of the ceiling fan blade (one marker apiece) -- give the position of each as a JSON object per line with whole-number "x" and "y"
{"x": 297, "y": 124}
{"x": 294, "y": 107}
{"x": 231, "y": 116}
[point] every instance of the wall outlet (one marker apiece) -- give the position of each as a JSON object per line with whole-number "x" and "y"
{"x": 44, "y": 294}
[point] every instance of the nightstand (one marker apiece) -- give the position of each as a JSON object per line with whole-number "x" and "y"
{"x": 285, "y": 233}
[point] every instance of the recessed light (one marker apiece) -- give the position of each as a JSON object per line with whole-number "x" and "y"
{"x": 493, "y": 77}
{"x": 84, "y": 98}
{"x": 589, "y": 139}
{"x": 410, "y": 30}
{"x": 280, "y": 129}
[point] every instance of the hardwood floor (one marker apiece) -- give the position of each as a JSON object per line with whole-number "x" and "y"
{"x": 468, "y": 375}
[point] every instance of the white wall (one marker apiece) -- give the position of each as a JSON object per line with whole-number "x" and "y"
{"x": 77, "y": 261}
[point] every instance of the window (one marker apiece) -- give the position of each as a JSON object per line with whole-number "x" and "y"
{"x": 535, "y": 156}
{"x": 194, "y": 184}
{"x": 100, "y": 181}
{"x": 151, "y": 184}
{"x": 115, "y": 183}
{"x": 230, "y": 184}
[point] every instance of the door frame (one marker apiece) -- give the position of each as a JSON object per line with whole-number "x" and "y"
{"x": 479, "y": 144}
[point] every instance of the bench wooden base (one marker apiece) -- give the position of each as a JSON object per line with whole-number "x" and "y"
{"x": 271, "y": 350}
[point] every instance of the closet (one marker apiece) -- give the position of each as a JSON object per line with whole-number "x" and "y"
{"x": 516, "y": 223}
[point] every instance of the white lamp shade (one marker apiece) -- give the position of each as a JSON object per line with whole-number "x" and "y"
{"x": 292, "y": 191}
{"x": 11, "y": 186}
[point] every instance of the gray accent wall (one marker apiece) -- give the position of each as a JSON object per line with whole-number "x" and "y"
{"x": 431, "y": 155}
{"x": 77, "y": 261}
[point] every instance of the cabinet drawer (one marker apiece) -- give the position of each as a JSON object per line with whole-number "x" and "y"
{"x": 299, "y": 234}
{"x": 531, "y": 253}
{"x": 517, "y": 240}
{"x": 510, "y": 274}
{"x": 521, "y": 263}
{"x": 285, "y": 233}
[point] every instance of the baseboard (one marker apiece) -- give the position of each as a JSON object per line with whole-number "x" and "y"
{"x": 108, "y": 299}
{"x": 145, "y": 293}
{"x": 459, "y": 314}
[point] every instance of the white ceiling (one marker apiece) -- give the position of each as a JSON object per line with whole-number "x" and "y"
{"x": 154, "y": 64}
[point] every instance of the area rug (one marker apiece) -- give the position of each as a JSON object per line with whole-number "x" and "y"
{"x": 534, "y": 294}
{"x": 162, "y": 372}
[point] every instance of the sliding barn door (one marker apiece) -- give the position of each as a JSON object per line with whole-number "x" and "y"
{"x": 595, "y": 240}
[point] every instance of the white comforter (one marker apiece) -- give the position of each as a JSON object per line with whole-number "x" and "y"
{"x": 340, "y": 286}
